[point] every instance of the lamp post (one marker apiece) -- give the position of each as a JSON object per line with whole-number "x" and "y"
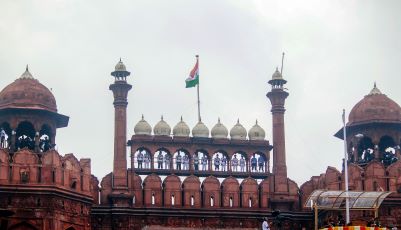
{"x": 346, "y": 170}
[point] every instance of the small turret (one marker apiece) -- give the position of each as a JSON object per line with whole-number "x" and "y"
{"x": 120, "y": 72}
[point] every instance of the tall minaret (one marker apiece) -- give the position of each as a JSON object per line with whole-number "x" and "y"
{"x": 120, "y": 90}
{"x": 277, "y": 97}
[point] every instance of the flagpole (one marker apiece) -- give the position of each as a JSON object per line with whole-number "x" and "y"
{"x": 346, "y": 170}
{"x": 197, "y": 90}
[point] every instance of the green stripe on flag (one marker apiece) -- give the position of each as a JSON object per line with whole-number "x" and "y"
{"x": 192, "y": 82}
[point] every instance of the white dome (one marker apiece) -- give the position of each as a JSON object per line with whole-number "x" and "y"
{"x": 200, "y": 130}
{"x": 238, "y": 132}
{"x": 256, "y": 133}
{"x": 120, "y": 66}
{"x": 181, "y": 129}
{"x": 277, "y": 75}
{"x": 162, "y": 128}
{"x": 142, "y": 128}
{"x": 219, "y": 130}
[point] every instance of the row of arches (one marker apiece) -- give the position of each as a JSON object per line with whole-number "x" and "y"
{"x": 191, "y": 192}
{"x": 375, "y": 176}
{"x": 201, "y": 160}
{"x": 365, "y": 150}
{"x": 25, "y": 136}
{"x": 26, "y": 167}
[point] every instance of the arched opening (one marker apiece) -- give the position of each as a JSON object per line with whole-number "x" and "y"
{"x": 74, "y": 185}
{"x": 181, "y": 160}
{"x": 387, "y": 150}
{"x": 5, "y": 134}
{"x": 219, "y": 160}
{"x": 24, "y": 174}
{"x": 231, "y": 202}
{"x": 25, "y": 136}
{"x": 239, "y": 159}
{"x": 45, "y": 135}
{"x": 153, "y": 199}
{"x": 351, "y": 152}
{"x": 162, "y": 159}
{"x": 192, "y": 200}
{"x": 365, "y": 150}
{"x": 53, "y": 175}
{"x": 211, "y": 201}
{"x": 203, "y": 160}
{"x": 261, "y": 162}
{"x": 141, "y": 159}
{"x": 172, "y": 200}
{"x": 250, "y": 202}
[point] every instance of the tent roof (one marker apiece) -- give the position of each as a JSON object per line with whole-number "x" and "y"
{"x": 331, "y": 199}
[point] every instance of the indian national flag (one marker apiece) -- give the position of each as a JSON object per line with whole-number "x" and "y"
{"x": 193, "y": 78}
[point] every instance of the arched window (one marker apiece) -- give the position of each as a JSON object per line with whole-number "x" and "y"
{"x": 231, "y": 202}
{"x": 219, "y": 161}
{"x": 181, "y": 160}
{"x": 141, "y": 159}
{"x": 387, "y": 150}
{"x": 250, "y": 202}
{"x": 5, "y": 132}
{"x": 53, "y": 175}
{"x": 239, "y": 162}
{"x": 365, "y": 150}
{"x": 24, "y": 176}
{"x": 162, "y": 159}
{"x": 192, "y": 200}
{"x": 25, "y": 136}
{"x": 74, "y": 185}
{"x": 153, "y": 199}
{"x": 203, "y": 160}
{"x": 261, "y": 162}
{"x": 133, "y": 200}
{"x": 211, "y": 201}
{"x": 44, "y": 138}
{"x": 172, "y": 200}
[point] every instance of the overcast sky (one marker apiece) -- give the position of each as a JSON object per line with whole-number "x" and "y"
{"x": 335, "y": 51}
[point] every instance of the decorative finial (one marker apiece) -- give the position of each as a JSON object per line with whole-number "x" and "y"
{"x": 238, "y": 121}
{"x": 256, "y": 121}
{"x": 197, "y": 56}
{"x": 218, "y": 120}
{"x": 375, "y": 90}
{"x": 162, "y": 117}
{"x": 26, "y": 74}
{"x": 142, "y": 116}
{"x": 181, "y": 118}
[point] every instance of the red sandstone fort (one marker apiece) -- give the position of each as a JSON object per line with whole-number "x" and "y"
{"x": 175, "y": 179}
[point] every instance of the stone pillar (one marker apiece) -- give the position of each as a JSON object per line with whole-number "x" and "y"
{"x": 37, "y": 139}
{"x": 355, "y": 152}
{"x": 13, "y": 140}
{"x": 398, "y": 152}
{"x": 376, "y": 152}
